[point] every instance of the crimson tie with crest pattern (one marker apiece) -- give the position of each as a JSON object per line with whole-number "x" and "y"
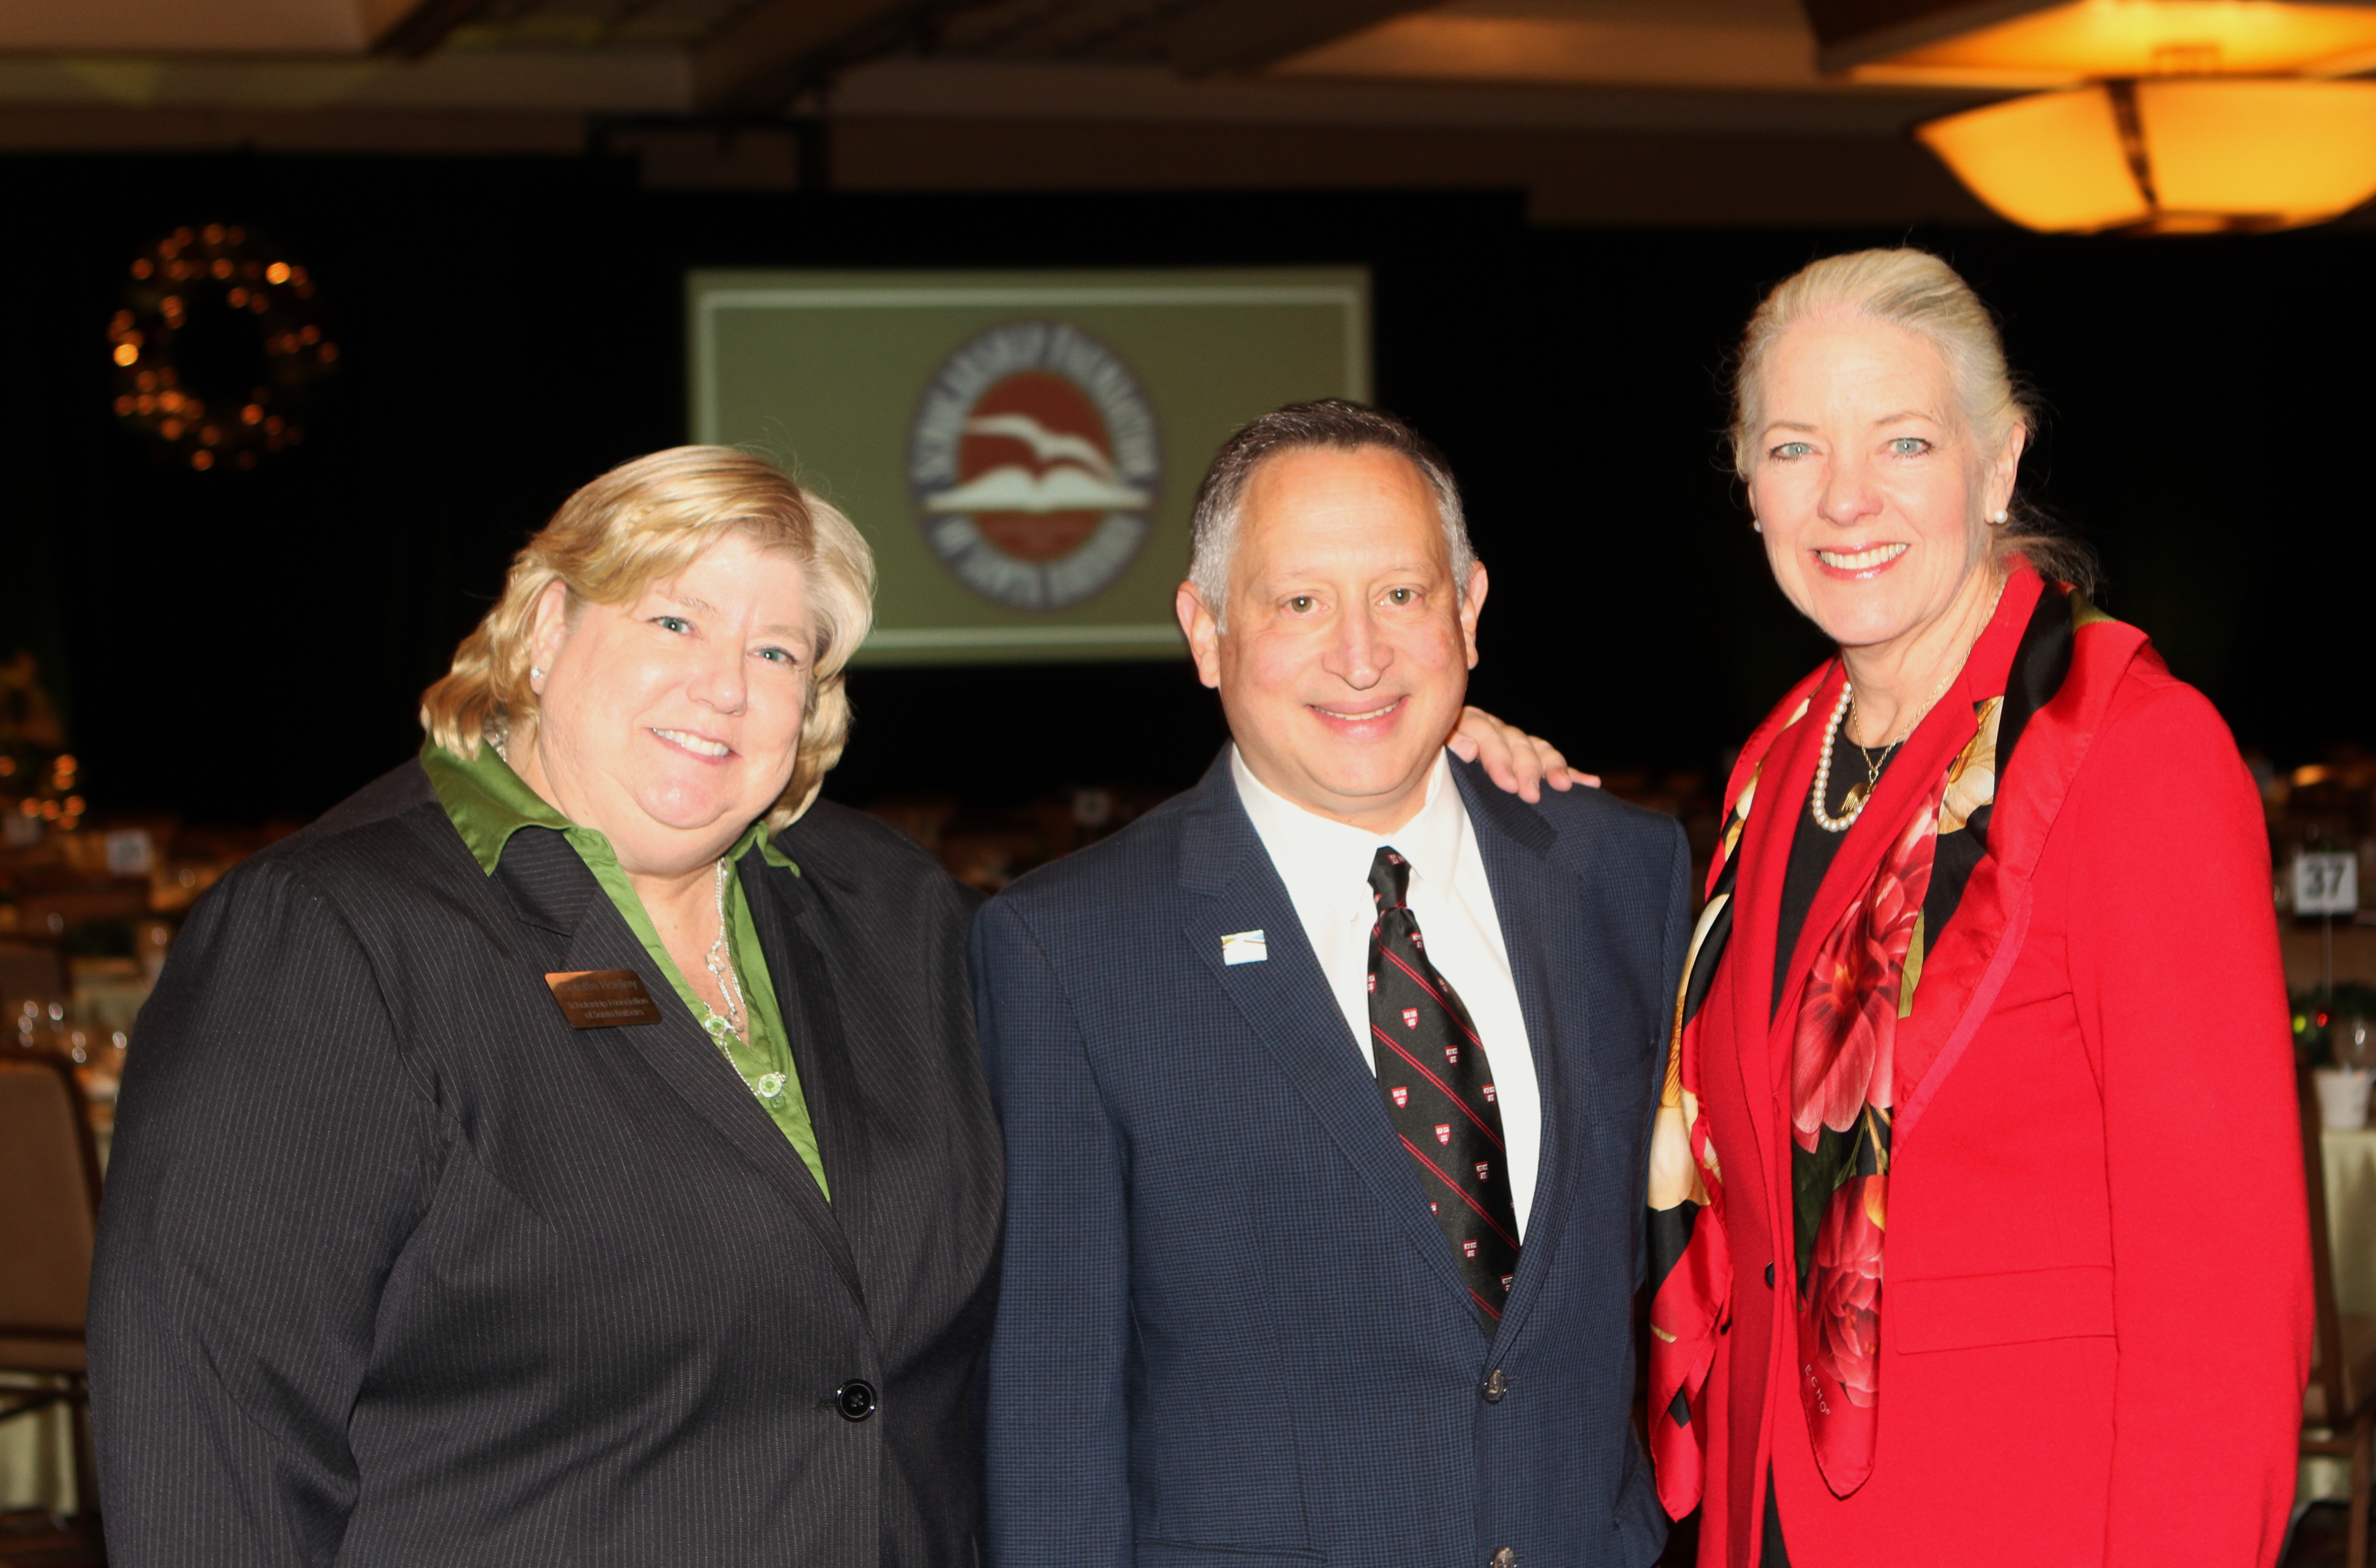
{"x": 1438, "y": 1089}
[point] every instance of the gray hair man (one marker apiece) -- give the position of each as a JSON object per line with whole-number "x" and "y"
{"x": 1324, "y": 1087}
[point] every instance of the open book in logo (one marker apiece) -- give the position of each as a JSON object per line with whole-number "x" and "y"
{"x": 1073, "y": 475}
{"x": 1035, "y": 466}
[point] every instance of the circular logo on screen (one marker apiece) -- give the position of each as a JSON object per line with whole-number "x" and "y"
{"x": 1035, "y": 465}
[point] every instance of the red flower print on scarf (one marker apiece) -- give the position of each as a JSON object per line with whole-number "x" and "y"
{"x": 1848, "y": 1022}
{"x": 1843, "y": 1084}
{"x": 1848, "y": 1290}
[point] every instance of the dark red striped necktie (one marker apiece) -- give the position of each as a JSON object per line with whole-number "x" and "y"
{"x": 1439, "y": 1088}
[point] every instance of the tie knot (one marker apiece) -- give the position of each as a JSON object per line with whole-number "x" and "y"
{"x": 1389, "y": 878}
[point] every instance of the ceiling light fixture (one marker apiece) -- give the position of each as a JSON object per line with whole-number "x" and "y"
{"x": 2163, "y": 116}
{"x": 2169, "y": 155}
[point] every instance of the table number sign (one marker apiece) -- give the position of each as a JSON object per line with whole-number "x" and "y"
{"x": 2326, "y": 884}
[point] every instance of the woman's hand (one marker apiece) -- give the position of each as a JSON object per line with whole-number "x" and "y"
{"x": 1516, "y": 761}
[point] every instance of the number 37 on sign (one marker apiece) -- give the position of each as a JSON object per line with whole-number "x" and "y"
{"x": 2326, "y": 884}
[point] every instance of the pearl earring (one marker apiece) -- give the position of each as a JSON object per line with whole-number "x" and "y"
{"x": 1999, "y": 520}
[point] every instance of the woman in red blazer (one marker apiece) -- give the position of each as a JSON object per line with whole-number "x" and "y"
{"x": 1978, "y": 1231}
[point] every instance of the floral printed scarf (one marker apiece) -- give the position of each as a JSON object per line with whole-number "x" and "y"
{"x": 1843, "y": 1074}
{"x": 1858, "y": 1080}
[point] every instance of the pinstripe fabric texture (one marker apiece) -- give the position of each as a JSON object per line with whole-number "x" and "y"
{"x": 397, "y": 1267}
{"x": 1230, "y": 1333}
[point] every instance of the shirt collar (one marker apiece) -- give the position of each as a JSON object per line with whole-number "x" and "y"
{"x": 1334, "y": 858}
{"x": 488, "y": 802}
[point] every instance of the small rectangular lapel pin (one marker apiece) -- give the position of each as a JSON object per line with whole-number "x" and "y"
{"x": 1245, "y": 947}
{"x": 602, "y": 999}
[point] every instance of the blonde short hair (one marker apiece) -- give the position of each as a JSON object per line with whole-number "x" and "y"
{"x": 1917, "y": 293}
{"x": 643, "y": 523}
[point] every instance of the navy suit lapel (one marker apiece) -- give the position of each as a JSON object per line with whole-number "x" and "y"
{"x": 1286, "y": 1000}
{"x": 551, "y": 888}
{"x": 1534, "y": 909}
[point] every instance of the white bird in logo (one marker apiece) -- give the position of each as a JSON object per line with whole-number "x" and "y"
{"x": 1047, "y": 445}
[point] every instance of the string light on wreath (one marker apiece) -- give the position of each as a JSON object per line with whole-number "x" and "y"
{"x": 220, "y": 347}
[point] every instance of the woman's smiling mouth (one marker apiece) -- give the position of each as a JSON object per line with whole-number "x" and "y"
{"x": 1862, "y": 560}
{"x": 697, "y": 744}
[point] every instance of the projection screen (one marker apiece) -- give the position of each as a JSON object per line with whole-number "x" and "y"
{"x": 1021, "y": 449}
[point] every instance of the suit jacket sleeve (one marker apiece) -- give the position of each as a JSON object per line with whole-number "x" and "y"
{"x": 271, "y": 1157}
{"x": 1057, "y": 1449}
{"x": 2181, "y": 995}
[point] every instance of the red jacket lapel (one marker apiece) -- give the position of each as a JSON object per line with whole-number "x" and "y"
{"x": 1961, "y": 979}
{"x": 1782, "y": 782}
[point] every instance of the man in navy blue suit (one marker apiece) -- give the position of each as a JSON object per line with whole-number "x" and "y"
{"x": 1326, "y": 1089}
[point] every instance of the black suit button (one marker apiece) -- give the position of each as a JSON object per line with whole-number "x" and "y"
{"x": 854, "y": 1399}
{"x": 1496, "y": 1385}
{"x": 1769, "y": 1276}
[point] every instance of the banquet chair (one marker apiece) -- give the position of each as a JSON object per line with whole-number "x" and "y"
{"x": 49, "y": 1169}
{"x": 2339, "y": 1406}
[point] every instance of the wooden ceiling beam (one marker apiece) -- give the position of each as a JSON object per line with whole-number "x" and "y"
{"x": 772, "y": 54}
{"x": 1851, "y": 33}
{"x": 422, "y": 28}
{"x": 1246, "y": 35}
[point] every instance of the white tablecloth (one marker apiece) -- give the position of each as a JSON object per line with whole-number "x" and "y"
{"x": 2351, "y": 1231}
{"x": 37, "y": 1458}
{"x": 2351, "y": 1217}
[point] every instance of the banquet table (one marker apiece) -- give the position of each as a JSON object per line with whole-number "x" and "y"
{"x": 2350, "y": 1159}
{"x": 2351, "y": 1217}
{"x": 36, "y": 1458}
{"x": 37, "y": 1467}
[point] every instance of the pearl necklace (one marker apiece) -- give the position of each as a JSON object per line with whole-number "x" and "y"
{"x": 1858, "y": 798}
{"x": 723, "y": 1027}
{"x": 1822, "y": 791}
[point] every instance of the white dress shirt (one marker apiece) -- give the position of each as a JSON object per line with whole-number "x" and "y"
{"x": 1326, "y": 865}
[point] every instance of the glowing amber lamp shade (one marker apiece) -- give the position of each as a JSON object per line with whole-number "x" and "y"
{"x": 2092, "y": 39}
{"x": 2181, "y": 155}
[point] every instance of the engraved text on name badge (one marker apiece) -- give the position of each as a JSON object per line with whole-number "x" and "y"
{"x": 602, "y": 999}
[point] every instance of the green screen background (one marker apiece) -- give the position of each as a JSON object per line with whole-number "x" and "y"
{"x": 823, "y": 373}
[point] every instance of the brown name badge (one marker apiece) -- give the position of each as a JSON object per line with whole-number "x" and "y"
{"x": 602, "y": 999}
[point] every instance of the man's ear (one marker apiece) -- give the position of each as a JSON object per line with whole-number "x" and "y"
{"x": 1470, "y": 604}
{"x": 1203, "y": 632}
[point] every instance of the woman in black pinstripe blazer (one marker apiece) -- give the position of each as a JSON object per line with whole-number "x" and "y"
{"x": 572, "y": 1149}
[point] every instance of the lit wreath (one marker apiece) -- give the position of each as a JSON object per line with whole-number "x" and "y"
{"x": 223, "y": 272}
